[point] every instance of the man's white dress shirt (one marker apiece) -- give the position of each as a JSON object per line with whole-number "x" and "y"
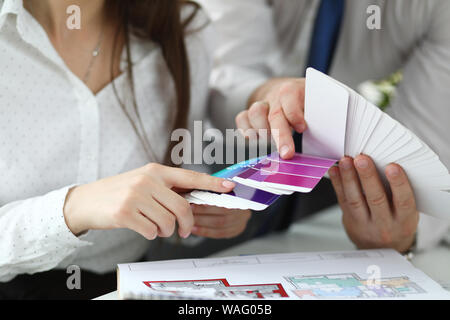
{"x": 55, "y": 133}
{"x": 260, "y": 39}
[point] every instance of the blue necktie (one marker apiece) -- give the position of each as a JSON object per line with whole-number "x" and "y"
{"x": 323, "y": 41}
{"x": 326, "y": 32}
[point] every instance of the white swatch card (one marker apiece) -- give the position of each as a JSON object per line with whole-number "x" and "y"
{"x": 341, "y": 122}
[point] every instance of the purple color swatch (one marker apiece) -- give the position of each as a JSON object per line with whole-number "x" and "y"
{"x": 290, "y": 168}
{"x": 301, "y": 171}
{"x": 280, "y": 178}
{"x": 253, "y": 194}
{"x": 300, "y": 158}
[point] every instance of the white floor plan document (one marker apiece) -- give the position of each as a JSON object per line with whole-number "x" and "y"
{"x": 362, "y": 274}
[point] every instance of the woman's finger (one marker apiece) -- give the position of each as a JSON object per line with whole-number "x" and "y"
{"x": 179, "y": 207}
{"x": 159, "y": 215}
{"x": 189, "y": 180}
{"x": 142, "y": 225}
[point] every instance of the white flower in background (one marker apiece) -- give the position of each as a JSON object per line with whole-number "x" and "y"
{"x": 380, "y": 93}
{"x": 371, "y": 92}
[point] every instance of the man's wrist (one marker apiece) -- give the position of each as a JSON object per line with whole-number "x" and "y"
{"x": 262, "y": 92}
{"x": 410, "y": 252}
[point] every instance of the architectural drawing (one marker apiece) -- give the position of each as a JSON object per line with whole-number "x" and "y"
{"x": 218, "y": 288}
{"x": 350, "y": 285}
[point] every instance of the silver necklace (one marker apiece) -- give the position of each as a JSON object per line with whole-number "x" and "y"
{"x": 95, "y": 53}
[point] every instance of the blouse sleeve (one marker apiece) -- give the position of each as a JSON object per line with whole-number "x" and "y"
{"x": 35, "y": 236}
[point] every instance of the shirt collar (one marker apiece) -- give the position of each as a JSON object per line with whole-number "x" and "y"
{"x": 9, "y": 7}
{"x": 28, "y": 28}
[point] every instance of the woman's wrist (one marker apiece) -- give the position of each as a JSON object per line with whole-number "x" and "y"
{"x": 72, "y": 218}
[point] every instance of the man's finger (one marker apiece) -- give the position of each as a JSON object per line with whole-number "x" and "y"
{"x": 258, "y": 114}
{"x": 402, "y": 193}
{"x": 206, "y": 209}
{"x": 355, "y": 201}
{"x": 223, "y": 233}
{"x": 243, "y": 122}
{"x": 218, "y": 217}
{"x": 215, "y": 221}
{"x": 281, "y": 132}
{"x": 337, "y": 185}
{"x": 292, "y": 99}
{"x": 376, "y": 197}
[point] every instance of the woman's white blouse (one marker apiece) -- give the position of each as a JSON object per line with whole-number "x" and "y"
{"x": 54, "y": 133}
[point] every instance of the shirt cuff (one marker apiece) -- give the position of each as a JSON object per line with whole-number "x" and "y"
{"x": 430, "y": 231}
{"x": 57, "y": 230}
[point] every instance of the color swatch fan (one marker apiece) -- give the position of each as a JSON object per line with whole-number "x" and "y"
{"x": 261, "y": 181}
{"x": 354, "y": 126}
{"x": 340, "y": 122}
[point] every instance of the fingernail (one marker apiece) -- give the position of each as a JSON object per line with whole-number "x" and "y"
{"x": 332, "y": 172}
{"x": 300, "y": 127}
{"x": 284, "y": 151}
{"x": 186, "y": 235}
{"x": 345, "y": 163}
{"x": 362, "y": 163}
{"x": 228, "y": 184}
{"x": 259, "y": 103}
{"x": 254, "y": 104}
{"x": 392, "y": 171}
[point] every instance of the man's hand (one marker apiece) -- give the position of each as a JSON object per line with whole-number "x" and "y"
{"x": 218, "y": 223}
{"x": 276, "y": 106}
{"x": 370, "y": 217}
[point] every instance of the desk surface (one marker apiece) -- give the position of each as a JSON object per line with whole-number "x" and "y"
{"x": 324, "y": 232}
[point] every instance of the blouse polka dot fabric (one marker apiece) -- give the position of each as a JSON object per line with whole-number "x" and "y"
{"x": 56, "y": 134}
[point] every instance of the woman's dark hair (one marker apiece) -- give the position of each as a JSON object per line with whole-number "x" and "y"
{"x": 159, "y": 21}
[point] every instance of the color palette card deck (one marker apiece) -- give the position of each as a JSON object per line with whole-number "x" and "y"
{"x": 340, "y": 123}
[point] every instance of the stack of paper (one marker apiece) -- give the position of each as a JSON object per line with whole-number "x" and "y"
{"x": 365, "y": 274}
{"x": 340, "y": 122}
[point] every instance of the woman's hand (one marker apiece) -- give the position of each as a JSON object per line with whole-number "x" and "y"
{"x": 276, "y": 106}
{"x": 219, "y": 223}
{"x": 370, "y": 217}
{"x": 144, "y": 200}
